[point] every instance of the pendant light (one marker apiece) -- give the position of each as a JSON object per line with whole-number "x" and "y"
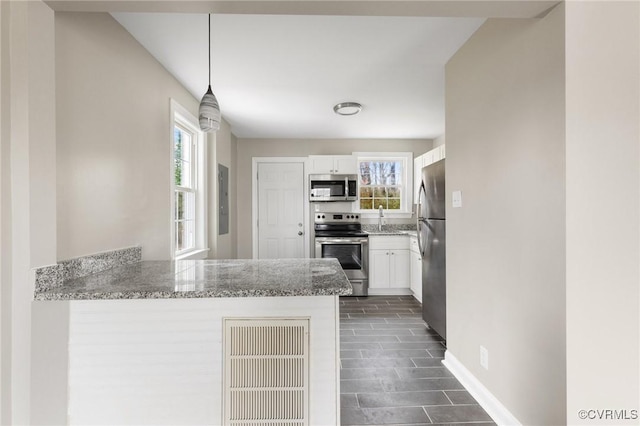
{"x": 209, "y": 111}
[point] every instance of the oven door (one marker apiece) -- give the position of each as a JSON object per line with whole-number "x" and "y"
{"x": 351, "y": 252}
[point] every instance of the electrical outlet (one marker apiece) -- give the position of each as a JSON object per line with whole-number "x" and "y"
{"x": 484, "y": 357}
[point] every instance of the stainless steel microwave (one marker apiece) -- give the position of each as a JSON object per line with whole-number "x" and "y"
{"x": 333, "y": 187}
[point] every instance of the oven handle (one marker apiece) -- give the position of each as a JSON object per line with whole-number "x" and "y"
{"x": 324, "y": 240}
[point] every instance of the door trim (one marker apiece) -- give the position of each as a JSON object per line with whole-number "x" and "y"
{"x": 255, "y": 161}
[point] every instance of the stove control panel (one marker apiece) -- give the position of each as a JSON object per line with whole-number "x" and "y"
{"x": 320, "y": 217}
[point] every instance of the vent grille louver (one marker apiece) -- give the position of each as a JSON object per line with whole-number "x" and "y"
{"x": 266, "y": 372}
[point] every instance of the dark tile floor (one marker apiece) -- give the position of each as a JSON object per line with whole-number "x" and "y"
{"x": 391, "y": 371}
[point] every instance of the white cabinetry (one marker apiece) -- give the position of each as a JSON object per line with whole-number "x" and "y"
{"x": 417, "y": 177}
{"x": 430, "y": 157}
{"x": 389, "y": 265}
{"x": 416, "y": 268}
{"x": 332, "y": 164}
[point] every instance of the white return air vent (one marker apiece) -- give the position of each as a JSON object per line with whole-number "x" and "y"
{"x": 266, "y": 372}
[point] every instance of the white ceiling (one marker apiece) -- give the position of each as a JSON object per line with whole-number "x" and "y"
{"x": 279, "y": 76}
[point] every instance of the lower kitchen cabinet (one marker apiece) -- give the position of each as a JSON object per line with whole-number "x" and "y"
{"x": 389, "y": 265}
{"x": 416, "y": 269}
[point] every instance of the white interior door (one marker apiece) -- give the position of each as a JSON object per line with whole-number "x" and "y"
{"x": 280, "y": 210}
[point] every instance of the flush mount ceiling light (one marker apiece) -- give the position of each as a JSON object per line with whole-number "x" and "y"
{"x": 347, "y": 108}
{"x": 209, "y": 111}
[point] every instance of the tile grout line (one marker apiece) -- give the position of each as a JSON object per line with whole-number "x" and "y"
{"x": 428, "y": 416}
{"x": 445, "y": 394}
{"x": 389, "y": 380}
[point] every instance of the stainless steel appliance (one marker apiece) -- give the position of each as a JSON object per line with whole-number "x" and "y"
{"x": 340, "y": 236}
{"x": 432, "y": 244}
{"x": 333, "y": 187}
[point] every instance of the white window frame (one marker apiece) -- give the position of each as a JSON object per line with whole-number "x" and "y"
{"x": 180, "y": 116}
{"x": 406, "y": 158}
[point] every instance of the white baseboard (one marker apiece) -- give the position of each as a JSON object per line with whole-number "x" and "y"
{"x": 498, "y": 412}
{"x": 390, "y": 292}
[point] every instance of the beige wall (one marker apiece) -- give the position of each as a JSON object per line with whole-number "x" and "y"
{"x": 249, "y": 148}
{"x": 5, "y": 218}
{"x": 506, "y": 245}
{"x": 603, "y": 200}
{"x": 222, "y": 246}
{"x": 113, "y": 139}
{"x": 28, "y": 187}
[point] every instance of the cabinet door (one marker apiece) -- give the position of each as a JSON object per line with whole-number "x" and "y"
{"x": 416, "y": 275}
{"x": 379, "y": 268}
{"x": 436, "y": 154}
{"x": 345, "y": 164}
{"x": 427, "y": 158}
{"x": 400, "y": 269}
{"x": 417, "y": 177}
{"x": 413, "y": 244}
{"x": 321, "y": 164}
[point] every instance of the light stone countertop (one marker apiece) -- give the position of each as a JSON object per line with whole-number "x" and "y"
{"x": 390, "y": 229}
{"x": 207, "y": 278}
{"x": 393, "y": 232}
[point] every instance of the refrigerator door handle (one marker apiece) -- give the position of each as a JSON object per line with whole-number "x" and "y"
{"x": 423, "y": 220}
{"x": 420, "y": 247}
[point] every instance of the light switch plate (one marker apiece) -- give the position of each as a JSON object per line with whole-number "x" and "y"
{"x": 484, "y": 357}
{"x": 456, "y": 199}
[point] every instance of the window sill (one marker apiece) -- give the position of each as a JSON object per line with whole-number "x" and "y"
{"x": 196, "y": 254}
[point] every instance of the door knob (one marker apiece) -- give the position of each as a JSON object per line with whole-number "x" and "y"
{"x": 299, "y": 232}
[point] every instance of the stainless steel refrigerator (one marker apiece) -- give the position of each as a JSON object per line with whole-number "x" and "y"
{"x": 432, "y": 243}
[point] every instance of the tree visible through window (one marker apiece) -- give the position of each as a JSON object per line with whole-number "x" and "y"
{"x": 380, "y": 184}
{"x": 185, "y": 189}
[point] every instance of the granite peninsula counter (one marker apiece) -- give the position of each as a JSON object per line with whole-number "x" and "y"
{"x": 187, "y": 342}
{"x": 207, "y": 278}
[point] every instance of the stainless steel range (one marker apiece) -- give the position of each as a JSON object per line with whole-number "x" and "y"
{"x": 340, "y": 236}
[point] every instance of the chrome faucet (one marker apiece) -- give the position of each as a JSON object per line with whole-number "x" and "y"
{"x": 380, "y": 216}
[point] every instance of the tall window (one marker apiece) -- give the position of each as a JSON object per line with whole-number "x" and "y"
{"x": 384, "y": 181}
{"x": 189, "y": 224}
{"x": 185, "y": 188}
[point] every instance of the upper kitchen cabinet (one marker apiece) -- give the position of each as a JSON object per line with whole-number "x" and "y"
{"x": 333, "y": 164}
{"x": 430, "y": 157}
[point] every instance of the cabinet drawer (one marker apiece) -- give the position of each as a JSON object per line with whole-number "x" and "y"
{"x": 384, "y": 242}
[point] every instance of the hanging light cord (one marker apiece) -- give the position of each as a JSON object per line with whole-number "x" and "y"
{"x": 209, "y": 49}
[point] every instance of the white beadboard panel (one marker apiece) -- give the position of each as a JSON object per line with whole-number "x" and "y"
{"x": 141, "y": 362}
{"x": 160, "y": 361}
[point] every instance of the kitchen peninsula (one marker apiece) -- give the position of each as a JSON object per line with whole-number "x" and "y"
{"x": 190, "y": 342}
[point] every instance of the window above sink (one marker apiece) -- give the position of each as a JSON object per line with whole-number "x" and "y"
{"x": 384, "y": 179}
